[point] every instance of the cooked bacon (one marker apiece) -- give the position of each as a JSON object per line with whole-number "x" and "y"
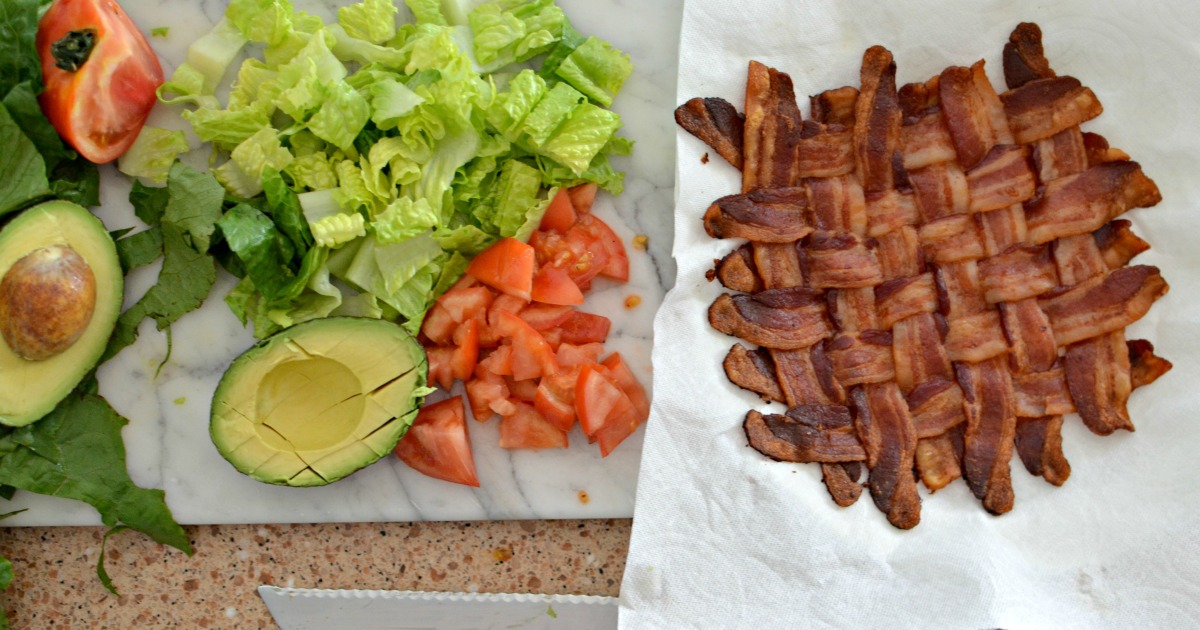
{"x": 1038, "y": 394}
{"x": 772, "y": 126}
{"x": 917, "y": 351}
{"x": 1024, "y": 57}
{"x": 940, "y": 190}
{"x": 1041, "y": 108}
{"x": 766, "y": 215}
{"x": 806, "y": 377}
{"x": 817, "y": 433}
{"x": 951, "y": 239}
{"x": 737, "y": 271}
{"x": 1039, "y": 443}
{"x": 1077, "y": 258}
{"x": 966, "y": 114}
{"x": 837, "y": 260}
{"x": 864, "y": 357}
{"x": 883, "y": 414}
{"x": 990, "y": 429}
{"x": 1098, "y": 151}
{"x": 778, "y": 265}
{"x": 1118, "y": 244}
{"x": 837, "y": 204}
{"x": 890, "y": 211}
{"x": 841, "y": 479}
{"x": 899, "y": 253}
{"x": 919, "y": 99}
{"x": 1024, "y": 271}
{"x": 937, "y": 460}
{"x": 753, "y": 370}
{"x": 1103, "y": 304}
{"x": 1001, "y": 178}
{"x": 877, "y": 121}
{"x": 1030, "y": 339}
{"x": 926, "y": 141}
{"x": 835, "y": 107}
{"x": 959, "y": 290}
{"x": 1001, "y": 229}
{"x": 936, "y": 405}
{"x": 717, "y": 123}
{"x": 761, "y": 439}
{"x": 1060, "y": 155}
{"x": 853, "y": 310}
{"x": 824, "y": 150}
{"x": 1098, "y": 377}
{"x": 904, "y": 297}
{"x": 976, "y": 337}
{"x": 1145, "y": 367}
{"x": 1085, "y": 202}
{"x": 776, "y": 318}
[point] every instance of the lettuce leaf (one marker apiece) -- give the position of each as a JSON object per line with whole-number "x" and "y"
{"x": 597, "y": 69}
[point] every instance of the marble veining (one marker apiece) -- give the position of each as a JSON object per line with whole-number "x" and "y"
{"x": 167, "y": 403}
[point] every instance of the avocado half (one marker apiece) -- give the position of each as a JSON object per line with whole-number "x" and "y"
{"x": 318, "y": 401}
{"x": 38, "y": 374}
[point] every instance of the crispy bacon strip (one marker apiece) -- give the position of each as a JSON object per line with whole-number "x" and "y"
{"x": 1085, "y": 202}
{"x": 853, "y": 310}
{"x": 835, "y": 107}
{"x": 990, "y": 429}
{"x": 806, "y": 377}
{"x": 753, "y": 370}
{"x": 877, "y": 121}
{"x": 940, "y": 190}
{"x": 1060, "y": 155}
{"x": 919, "y": 99}
{"x": 839, "y": 261}
{"x": 936, "y": 406}
{"x": 772, "y": 125}
{"x": 824, "y": 150}
{"x": 776, "y": 318}
{"x": 917, "y": 351}
{"x": 951, "y": 239}
{"x": 1145, "y": 367}
{"x": 904, "y": 297}
{"x": 899, "y": 253}
{"x": 737, "y": 271}
{"x": 890, "y": 211}
{"x": 1098, "y": 377}
{"x": 883, "y": 414}
{"x": 1039, "y": 443}
{"x": 778, "y": 265}
{"x": 959, "y": 289}
{"x": 1001, "y": 229}
{"x": 938, "y": 461}
{"x": 1001, "y": 179}
{"x": 717, "y": 123}
{"x": 1041, "y": 108}
{"x": 766, "y": 215}
{"x": 1118, "y": 244}
{"x": 976, "y": 337}
{"x": 837, "y": 204}
{"x": 966, "y": 114}
{"x": 1077, "y": 258}
{"x": 1024, "y": 57}
{"x": 1045, "y": 393}
{"x": 1098, "y": 151}
{"x": 864, "y": 357}
{"x": 841, "y": 479}
{"x": 1103, "y": 304}
{"x": 815, "y": 433}
{"x": 1030, "y": 338}
{"x": 926, "y": 141}
{"x": 1024, "y": 271}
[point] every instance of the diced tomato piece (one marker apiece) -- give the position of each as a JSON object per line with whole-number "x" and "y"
{"x": 577, "y": 252}
{"x": 620, "y": 374}
{"x": 437, "y": 443}
{"x": 531, "y": 355}
{"x": 552, "y": 285}
{"x": 498, "y": 361}
{"x": 556, "y": 411}
{"x": 617, "y": 262}
{"x": 438, "y": 325}
{"x": 526, "y": 428}
{"x": 569, "y": 354}
{"x": 598, "y": 399}
{"x": 553, "y": 337}
{"x": 505, "y": 406}
{"x": 616, "y": 429}
{"x": 465, "y": 282}
{"x": 525, "y": 390}
{"x": 560, "y": 214}
{"x": 585, "y": 328}
{"x": 506, "y": 266}
{"x": 484, "y": 390}
{"x": 582, "y": 196}
{"x": 466, "y": 351}
{"x": 545, "y": 316}
{"x": 464, "y": 304}
{"x": 441, "y": 362}
{"x": 487, "y": 335}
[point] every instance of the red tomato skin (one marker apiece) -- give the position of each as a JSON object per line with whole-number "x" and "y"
{"x": 441, "y": 361}
{"x": 100, "y": 108}
{"x": 582, "y": 196}
{"x": 560, "y": 214}
{"x": 620, "y": 426}
{"x": 552, "y": 285}
{"x": 506, "y": 266}
{"x": 437, "y": 443}
{"x": 585, "y": 328}
{"x": 542, "y": 317}
{"x": 526, "y": 428}
{"x": 466, "y": 351}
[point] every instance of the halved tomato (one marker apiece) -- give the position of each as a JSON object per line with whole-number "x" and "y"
{"x": 616, "y": 265}
{"x": 526, "y": 428}
{"x": 437, "y": 443}
{"x": 585, "y": 328}
{"x": 552, "y": 285}
{"x": 582, "y": 197}
{"x": 560, "y": 214}
{"x": 506, "y": 266}
{"x": 100, "y": 76}
{"x": 532, "y": 356}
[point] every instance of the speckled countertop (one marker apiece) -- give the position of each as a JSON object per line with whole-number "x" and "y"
{"x": 56, "y": 584}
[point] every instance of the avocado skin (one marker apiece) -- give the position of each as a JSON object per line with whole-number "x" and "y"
{"x": 31, "y": 389}
{"x": 318, "y": 401}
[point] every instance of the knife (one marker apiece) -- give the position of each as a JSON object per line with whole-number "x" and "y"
{"x": 304, "y": 608}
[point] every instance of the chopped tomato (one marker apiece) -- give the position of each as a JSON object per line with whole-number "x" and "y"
{"x": 552, "y": 285}
{"x": 522, "y": 390}
{"x": 582, "y": 196}
{"x": 531, "y": 355}
{"x": 466, "y": 351}
{"x": 506, "y": 266}
{"x": 620, "y": 374}
{"x": 506, "y": 303}
{"x": 618, "y": 427}
{"x": 465, "y": 282}
{"x": 617, "y": 262}
{"x": 526, "y": 428}
{"x": 585, "y": 328}
{"x": 553, "y": 337}
{"x": 437, "y": 443}
{"x": 577, "y": 252}
{"x": 438, "y": 326}
{"x": 560, "y": 214}
{"x": 466, "y": 303}
{"x": 441, "y": 362}
{"x": 569, "y": 354}
{"x": 555, "y": 398}
{"x": 499, "y": 361}
{"x": 598, "y": 400}
{"x": 545, "y": 316}
{"x": 483, "y": 391}
{"x": 100, "y": 76}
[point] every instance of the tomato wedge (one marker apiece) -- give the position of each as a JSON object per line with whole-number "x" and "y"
{"x": 437, "y": 443}
{"x": 616, "y": 265}
{"x": 484, "y": 391}
{"x": 545, "y": 316}
{"x": 552, "y": 285}
{"x": 569, "y": 354}
{"x": 466, "y": 351}
{"x": 585, "y": 328}
{"x": 531, "y": 355}
{"x": 506, "y": 266}
{"x": 526, "y": 428}
{"x": 620, "y": 374}
{"x": 441, "y": 360}
{"x": 582, "y": 197}
{"x": 560, "y": 214}
{"x": 100, "y": 76}
{"x": 598, "y": 399}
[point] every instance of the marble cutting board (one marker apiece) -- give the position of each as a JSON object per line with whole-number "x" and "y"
{"x": 167, "y": 437}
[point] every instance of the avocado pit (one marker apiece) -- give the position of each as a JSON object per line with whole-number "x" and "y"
{"x": 47, "y": 299}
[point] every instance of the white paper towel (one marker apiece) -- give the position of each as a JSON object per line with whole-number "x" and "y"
{"x": 725, "y": 538}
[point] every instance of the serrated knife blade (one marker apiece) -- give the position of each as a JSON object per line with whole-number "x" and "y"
{"x": 312, "y": 609}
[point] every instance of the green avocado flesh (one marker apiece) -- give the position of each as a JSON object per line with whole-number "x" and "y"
{"x": 318, "y": 401}
{"x": 30, "y": 388}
